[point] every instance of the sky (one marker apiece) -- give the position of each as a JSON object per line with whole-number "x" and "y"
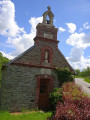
{"x": 18, "y": 20}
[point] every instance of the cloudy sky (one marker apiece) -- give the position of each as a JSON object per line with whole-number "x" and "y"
{"x": 18, "y": 20}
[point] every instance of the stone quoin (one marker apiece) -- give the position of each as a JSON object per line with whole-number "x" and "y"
{"x": 29, "y": 78}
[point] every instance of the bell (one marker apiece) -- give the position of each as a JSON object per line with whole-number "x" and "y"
{"x": 48, "y": 21}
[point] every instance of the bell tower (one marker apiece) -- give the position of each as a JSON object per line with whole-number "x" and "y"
{"x": 46, "y": 29}
{"x": 49, "y": 14}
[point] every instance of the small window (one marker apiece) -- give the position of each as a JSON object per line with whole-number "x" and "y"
{"x": 43, "y": 86}
{"x": 46, "y": 56}
{"x": 47, "y": 17}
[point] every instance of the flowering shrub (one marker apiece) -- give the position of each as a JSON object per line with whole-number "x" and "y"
{"x": 76, "y": 105}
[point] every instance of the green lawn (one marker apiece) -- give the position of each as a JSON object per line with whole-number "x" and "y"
{"x": 86, "y": 79}
{"x": 25, "y": 116}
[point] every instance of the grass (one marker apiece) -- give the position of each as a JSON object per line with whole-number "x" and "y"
{"x": 86, "y": 79}
{"x": 35, "y": 115}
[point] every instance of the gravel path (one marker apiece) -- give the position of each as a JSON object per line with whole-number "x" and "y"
{"x": 85, "y": 86}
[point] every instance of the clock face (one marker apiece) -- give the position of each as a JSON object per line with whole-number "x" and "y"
{"x": 47, "y": 35}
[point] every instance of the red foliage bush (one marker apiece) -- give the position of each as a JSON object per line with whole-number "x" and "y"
{"x": 76, "y": 105}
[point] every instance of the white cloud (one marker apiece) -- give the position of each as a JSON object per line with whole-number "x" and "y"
{"x": 76, "y": 54}
{"x": 9, "y": 28}
{"x": 81, "y": 40}
{"x": 34, "y": 21}
{"x": 61, "y": 29}
{"x": 72, "y": 27}
{"x": 9, "y": 56}
{"x": 83, "y": 63}
{"x": 81, "y": 29}
{"x": 86, "y": 25}
{"x": 8, "y": 25}
{"x": 22, "y": 43}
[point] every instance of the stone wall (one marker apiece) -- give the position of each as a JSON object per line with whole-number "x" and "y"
{"x": 45, "y": 28}
{"x": 19, "y": 87}
{"x": 34, "y": 56}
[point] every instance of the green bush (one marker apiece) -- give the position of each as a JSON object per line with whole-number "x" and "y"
{"x": 54, "y": 97}
{"x": 64, "y": 75}
{"x": 71, "y": 78}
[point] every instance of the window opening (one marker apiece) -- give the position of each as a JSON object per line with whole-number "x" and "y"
{"x": 47, "y": 19}
{"x": 43, "y": 86}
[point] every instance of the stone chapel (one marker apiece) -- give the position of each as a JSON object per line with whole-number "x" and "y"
{"x": 29, "y": 78}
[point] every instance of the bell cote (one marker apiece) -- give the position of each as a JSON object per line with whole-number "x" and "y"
{"x": 48, "y": 17}
{"x": 46, "y": 30}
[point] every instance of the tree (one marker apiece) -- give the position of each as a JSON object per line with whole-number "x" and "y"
{"x": 78, "y": 72}
{"x": 85, "y": 72}
{"x": 3, "y": 60}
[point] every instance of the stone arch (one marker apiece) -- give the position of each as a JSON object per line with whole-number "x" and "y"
{"x": 46, "y": 48}
{"x": 50, "y": 15}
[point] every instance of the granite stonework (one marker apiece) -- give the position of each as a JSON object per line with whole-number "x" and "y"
{"x": 19, "y": 87}
{"x": 21, "y": 77}
{"x": 34, "y": 56}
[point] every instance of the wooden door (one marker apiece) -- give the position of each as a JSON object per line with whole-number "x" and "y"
{"x": 43, "y": 95}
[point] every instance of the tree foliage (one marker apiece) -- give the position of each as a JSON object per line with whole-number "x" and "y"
{"x": 3, "y": 60}
{"x": 84, "y": 73}
{"x": 78, "y": 72}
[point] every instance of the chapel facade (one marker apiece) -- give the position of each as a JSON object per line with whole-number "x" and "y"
{"x": 29, "y": 78}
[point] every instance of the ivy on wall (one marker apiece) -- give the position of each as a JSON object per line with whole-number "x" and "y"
{"x": 64, "y": 75}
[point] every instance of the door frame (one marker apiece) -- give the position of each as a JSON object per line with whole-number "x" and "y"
{"x": 39, "y": 77}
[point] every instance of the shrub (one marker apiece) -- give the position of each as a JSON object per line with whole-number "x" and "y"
{"x": 75, "y": 106}
{"x": 77, "y": 110}
{"x": 54, "y": 97}
{"x": 64, "y": 75}
{"x": 72, "y": 89}
{"x": 73, "y": 110}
